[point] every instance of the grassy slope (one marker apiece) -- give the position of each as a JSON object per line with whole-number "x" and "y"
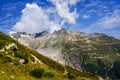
{"x": 12, "y": 69}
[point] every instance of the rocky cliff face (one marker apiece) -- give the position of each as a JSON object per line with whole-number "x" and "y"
{"x": 96, "y": 53}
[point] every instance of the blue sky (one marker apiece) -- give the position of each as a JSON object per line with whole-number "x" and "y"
{"x": 88, "y": 16}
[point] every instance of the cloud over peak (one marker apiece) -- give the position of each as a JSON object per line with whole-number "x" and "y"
{"x": 36, "y": 19}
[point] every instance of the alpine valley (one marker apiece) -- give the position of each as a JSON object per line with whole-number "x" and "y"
{"x": 96, "y": 53}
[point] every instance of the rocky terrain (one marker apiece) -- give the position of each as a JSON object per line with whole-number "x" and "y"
{"x": 96, "y": 53}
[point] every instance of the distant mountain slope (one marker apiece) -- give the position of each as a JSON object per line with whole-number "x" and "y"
{"x": 96, "y": 53}
{"x": 18, "y": 62}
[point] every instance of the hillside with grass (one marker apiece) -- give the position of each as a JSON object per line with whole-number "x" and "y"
{"x": 18, "y": 62}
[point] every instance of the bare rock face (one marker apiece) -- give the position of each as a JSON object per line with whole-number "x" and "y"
{"x": 94, "y": 53}
{"x": 11, "y": 46}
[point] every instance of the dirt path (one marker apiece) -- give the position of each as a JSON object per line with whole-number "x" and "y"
{"x": 36, "y": 59}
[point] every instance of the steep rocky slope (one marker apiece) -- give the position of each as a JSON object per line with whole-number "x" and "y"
{"x": 18, "y": 62}
{"x": 96, "y": 53}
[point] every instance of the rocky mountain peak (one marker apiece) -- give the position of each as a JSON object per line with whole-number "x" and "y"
{"x": 62, "y": 31}
{"x": 41, "y": 34}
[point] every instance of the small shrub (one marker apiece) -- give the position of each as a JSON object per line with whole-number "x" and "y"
{"x": 37, "y": 73}
{"x": 22, "y": 56}
{"x": 70, "y": 76}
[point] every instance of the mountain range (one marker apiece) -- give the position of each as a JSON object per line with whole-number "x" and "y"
{"x": 96, "y": 53}
{"x": 18, "y": 62}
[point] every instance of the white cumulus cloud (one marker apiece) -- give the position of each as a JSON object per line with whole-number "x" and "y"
{"x": 35, "y": 19}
